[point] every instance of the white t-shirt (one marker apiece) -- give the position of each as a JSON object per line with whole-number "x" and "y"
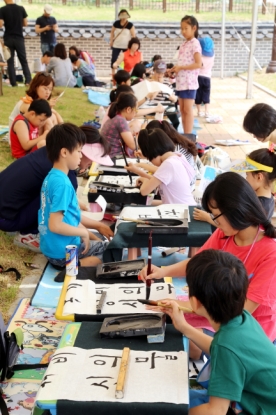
{"x": 175, "y": 186}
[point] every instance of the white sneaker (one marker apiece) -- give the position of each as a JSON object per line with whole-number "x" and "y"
{"x": 29, "y": 241}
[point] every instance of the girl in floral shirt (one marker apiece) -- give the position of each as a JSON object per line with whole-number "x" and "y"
{"x": 187, "y": 70}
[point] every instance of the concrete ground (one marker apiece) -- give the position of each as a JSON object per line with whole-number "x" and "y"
{"x": 228, "y": 101}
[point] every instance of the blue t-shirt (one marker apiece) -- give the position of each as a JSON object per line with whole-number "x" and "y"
{"x": 57, "y": 195}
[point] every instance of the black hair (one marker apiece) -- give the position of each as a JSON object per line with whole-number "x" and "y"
{"x": 136, "y": 81}
{"x": 121, "y": 76}
{"x": 65, "y": 135}
{"x": 40, "y": 106}
{"x": 154, "y": 143}
{"x": 124, "y": 100}
{"x": 219, "y": 281}
{"x": 48, "y": 53}
{"x": 260, "y": 120}
{"x": 192, "y": 21}
{"x": 268, "y": 158}
{"x": 73, "y": 58}
{"x": 156, "y": 58}
{"x": 236, "y": 199}
{"x": 116, "y": 92}
{"x": 132, "y": 41}
{"x": 170, "y": 65}
{"x": 93, "y": 136}
{"x": 175, "y": 136}
{"x": 139, "y": 70}
{"x": 77, "y": 51}
{"x": 60, "y": 51}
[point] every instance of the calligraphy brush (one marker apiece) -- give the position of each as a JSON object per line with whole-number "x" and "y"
{"x": 148, "y": 282}
{"x": 136, "y": 148}
{"x": 144, "y": 222}
{"x": 124, "y": 155}
{"x": 160, "y": 304}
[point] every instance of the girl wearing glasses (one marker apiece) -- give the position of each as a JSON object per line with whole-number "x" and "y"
{"x": 244, "y": 231}
{"x": 41, "y": 87}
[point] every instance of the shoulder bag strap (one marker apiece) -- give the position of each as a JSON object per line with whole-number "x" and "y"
{"x": 120, "y": 31}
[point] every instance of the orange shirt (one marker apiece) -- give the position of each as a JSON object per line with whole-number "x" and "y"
{"x": 131, "y": 60}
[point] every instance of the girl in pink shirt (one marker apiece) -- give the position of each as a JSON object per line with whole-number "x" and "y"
{"x": 187, "y": 70}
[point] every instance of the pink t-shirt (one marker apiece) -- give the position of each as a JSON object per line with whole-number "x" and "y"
{"x": 261, "y": 268}
{"x": 187, "y": 79}
{"x": 175, "y": 173}
{"x": 207, "y": 65}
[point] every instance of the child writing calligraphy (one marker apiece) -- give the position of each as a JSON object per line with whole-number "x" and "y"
{"x": 116, "y": 128}
{"x": 187, "y": 70}
{"x": 218, "y": 285}
{"x": 59, "y": 216}
{"x": 174, "y": 173}
{"x": 260, "y": 169}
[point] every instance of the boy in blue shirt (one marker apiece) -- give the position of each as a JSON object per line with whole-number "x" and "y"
{"x": 243, "y": 359}
{"x": 59, "y": 215}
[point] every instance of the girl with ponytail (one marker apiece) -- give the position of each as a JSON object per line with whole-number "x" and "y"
{"x": 244, "y": 231}
{"x": 173, "y": 174}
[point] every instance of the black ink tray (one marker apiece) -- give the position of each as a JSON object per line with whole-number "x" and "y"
{"x": 120, "y": 269}
{"x": 173, "y": 226}
{"x": 133, "y": 325}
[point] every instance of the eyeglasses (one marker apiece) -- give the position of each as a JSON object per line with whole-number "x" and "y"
{"x": 214, "y": 218}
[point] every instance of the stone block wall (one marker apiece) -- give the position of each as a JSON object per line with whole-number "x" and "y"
{"x": 162, "y": 39}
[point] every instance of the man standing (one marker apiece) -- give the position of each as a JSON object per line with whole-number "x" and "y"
{"x": 47, "y": 26}
{"x": 14, "y": 17}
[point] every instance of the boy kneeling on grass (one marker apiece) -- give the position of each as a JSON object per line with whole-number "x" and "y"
{"x": 243, "y": 359}
{"x": 24, "y": 132}
{"x": 59, "y": 215}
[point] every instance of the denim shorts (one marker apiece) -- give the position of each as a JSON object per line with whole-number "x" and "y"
{"x": 187, "y": 94}
{"x": 96, "y": 249}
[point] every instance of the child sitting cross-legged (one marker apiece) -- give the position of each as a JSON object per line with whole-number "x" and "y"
{"x": 24, "y": 132}
{"x": 59, "y": 215}
{"x": 243, "y": 359}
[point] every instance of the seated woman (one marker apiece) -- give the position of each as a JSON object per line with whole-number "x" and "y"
{"x": 41, "y": 87}
{"x": 173, "y": 174}
{"x": 85, "y": 56}
{"x": 131, "y": 56}
{"x": 244, "y": 231}
{"x": 61, "y": 67}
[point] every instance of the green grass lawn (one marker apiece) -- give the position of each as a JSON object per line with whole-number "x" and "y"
{"x": 74, "y": 107}
{"x": 87, "y": 12}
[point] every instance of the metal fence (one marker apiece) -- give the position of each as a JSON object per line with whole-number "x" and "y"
{"x": 193, "y": 6}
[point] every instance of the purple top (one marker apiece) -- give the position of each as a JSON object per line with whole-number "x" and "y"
{"x": 112, "y": 130}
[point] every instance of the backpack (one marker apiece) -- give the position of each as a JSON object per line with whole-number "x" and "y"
{"x": 10, "y": 346}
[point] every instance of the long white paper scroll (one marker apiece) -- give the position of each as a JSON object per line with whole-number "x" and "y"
{"x": 83, "y": 295}
{"x": 91, "y": 375}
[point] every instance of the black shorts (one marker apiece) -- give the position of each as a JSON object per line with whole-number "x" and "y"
{"x": 115, "y": 53}
{"x": 204, "y": 89}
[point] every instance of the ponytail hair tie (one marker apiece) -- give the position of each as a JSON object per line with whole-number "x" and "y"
{"x": 272, "y": 147}
{"x": 266, "y": 223}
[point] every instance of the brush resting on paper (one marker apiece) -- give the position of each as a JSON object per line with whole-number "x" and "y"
{"x": 148, "y": 282}
{"x": 160, "y": 304}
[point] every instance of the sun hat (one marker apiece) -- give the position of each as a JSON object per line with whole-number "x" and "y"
{"x": 124, "y": 15}
{"x": 48, "y": 8}
{"x": 207, "y": 46}
{"x": 160, "y": 66}
{"x": 94, "y": 153}
{"x": 249, "y": 165}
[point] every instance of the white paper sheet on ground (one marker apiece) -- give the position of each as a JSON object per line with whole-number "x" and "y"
{"x": 232, "y": 142}
{"x": 122, "y": 181}
{"x": 82, "y": 297}
{"x": 121, "y": 162}
{"x": 96, "y": 215}
{"x": 91, "y": 375}
{"x": 143, "y": 88}
{"x": 166, "y": 211}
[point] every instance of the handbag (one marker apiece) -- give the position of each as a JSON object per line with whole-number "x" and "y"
{"x": 6, "y": 53}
